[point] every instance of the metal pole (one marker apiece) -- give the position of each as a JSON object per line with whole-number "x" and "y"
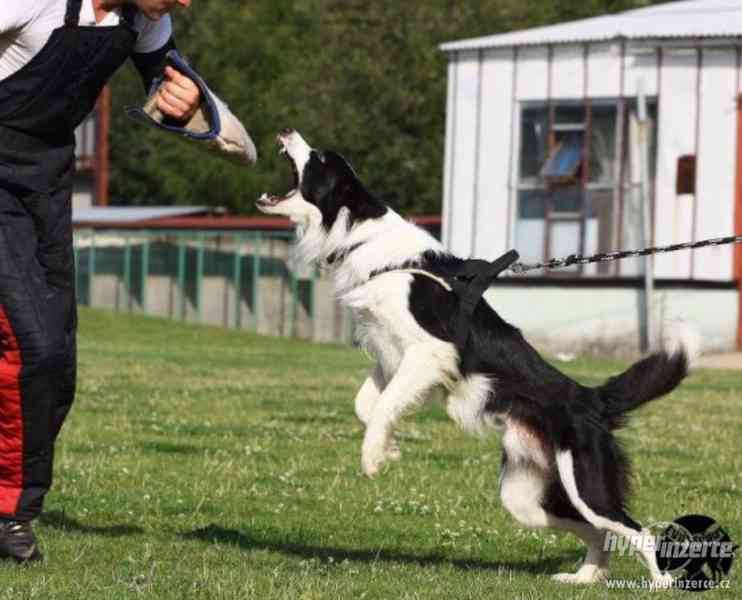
{"x": 312, "y": 322}
{"x": 237, "y": 281}
{"x": 76, "y": 265}
{"x": 181, "y": 276}
{"x": 145, "y": 272}
{"x": 127, "y": 272}
{"x": 200, "y": 275}
{"x": 256, "y": 280}
{"x": 91, "y": 267}
{"x": 647, "y": 341}
{"x": 294, "y": 284}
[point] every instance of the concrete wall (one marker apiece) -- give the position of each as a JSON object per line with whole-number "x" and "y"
{"x": 596, "y": 319}
{"x": 606, "y": 321}
{"x": 280, "y": 302}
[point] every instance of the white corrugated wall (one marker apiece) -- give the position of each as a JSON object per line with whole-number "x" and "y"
{"x": 697, "y": 114}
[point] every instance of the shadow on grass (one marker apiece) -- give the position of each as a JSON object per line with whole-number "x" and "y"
{"x": 220, "y": 535}
{"x": 59, "y": 520}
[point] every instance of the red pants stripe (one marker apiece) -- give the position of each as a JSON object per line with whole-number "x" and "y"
{"x": 11, "y": 419}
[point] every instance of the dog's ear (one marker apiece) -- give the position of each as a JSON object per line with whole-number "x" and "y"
{"x": 330, "y": 183}
{"x": 317, "y": 181}
{"x": 350, "y": 192}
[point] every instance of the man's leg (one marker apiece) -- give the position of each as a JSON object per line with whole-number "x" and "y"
{"x": 37, "y": 368}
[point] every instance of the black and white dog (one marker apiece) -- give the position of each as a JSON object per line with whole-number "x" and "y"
{"x": 561, "y": 466}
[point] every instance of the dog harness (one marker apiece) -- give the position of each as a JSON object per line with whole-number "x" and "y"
{"x": 468, "y": 283}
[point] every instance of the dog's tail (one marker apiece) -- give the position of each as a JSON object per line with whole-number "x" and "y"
{"x": 650, "y": 378}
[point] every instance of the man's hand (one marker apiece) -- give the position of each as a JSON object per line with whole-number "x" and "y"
{"x": 179, "y": 97}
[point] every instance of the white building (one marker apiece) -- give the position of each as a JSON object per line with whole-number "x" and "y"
{"x": 541, "y": 155}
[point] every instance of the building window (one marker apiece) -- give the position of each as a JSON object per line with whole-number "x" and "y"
{"x": 686, "y": 178}
{"x": 576, "y": 192}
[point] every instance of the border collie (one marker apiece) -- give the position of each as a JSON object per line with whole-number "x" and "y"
{"x": 561, "y": 465}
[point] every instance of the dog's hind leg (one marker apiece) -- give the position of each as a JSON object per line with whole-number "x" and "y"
{"x": 614, "y": 520}
{"x": 561, "y": 514}
{"x": 594, "y": 567}
{"x": 422, "y": 368}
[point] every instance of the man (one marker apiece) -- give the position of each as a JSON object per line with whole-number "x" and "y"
{"x": 55, "y": 56}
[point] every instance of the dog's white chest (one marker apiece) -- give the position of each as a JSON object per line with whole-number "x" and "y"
{"x": 378, "y": 340}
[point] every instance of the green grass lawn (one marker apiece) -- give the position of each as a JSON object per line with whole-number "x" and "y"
{"x": 204, "y": 463}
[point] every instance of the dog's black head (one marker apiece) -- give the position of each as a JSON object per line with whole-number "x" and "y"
{"x": 324, "y": 184}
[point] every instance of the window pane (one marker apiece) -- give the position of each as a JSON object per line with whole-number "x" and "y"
{"x": 529, "y": 227}
{"x": 565, "y": 238}
{"x": 600, "y": 230}
{"x": 632, "y": 209}
{"x": 534, "y": 141}
{"x": 565, "y": 159}
{"x": 531, "y": 204}
{"x": 602, "y": 144}
{"x": 632, "y": 112}
{"x": 569, "y": 114}
{"x": 566, "y": 199}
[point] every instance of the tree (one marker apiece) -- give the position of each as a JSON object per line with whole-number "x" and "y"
{"x": 364, "y": 78}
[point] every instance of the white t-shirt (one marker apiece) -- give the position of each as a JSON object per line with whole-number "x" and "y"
{"x": 26, "y": 25}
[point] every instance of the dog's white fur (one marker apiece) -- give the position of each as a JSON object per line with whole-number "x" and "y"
{"x": 411, "y": 362}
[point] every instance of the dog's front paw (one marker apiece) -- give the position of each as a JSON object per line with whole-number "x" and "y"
{"x": 373, "y": 454}
{"x": 371, "y": 465}
{"x": 372, "y": 462}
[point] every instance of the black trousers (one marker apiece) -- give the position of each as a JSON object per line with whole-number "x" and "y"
{"x": 37, "y": 334}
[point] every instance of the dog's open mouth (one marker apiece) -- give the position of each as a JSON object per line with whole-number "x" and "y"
{"x": 268, "y": 200}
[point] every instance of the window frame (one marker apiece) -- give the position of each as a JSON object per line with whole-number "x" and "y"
{"x": 617, "y": 186}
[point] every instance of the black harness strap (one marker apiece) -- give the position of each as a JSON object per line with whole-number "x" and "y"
{"x": 72, "y": 16}
{"x": 128, "y": 12}
{"x": 470, "y": 284}
{"x": 342, "y": 253}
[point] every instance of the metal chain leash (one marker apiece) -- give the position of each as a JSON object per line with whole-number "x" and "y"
{"x": 575, "y": 259}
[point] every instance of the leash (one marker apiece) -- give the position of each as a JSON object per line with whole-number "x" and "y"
{"x": 475, "y": 276}
{"x": 575, "y": 259}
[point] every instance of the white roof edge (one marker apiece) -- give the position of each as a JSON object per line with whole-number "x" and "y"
{"x": 710, "y": 40}
{"x": 698, "y": 20}
{"x": 123, "y": 214}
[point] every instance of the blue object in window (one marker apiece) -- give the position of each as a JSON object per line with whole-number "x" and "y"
{"x": 565, "y": 160}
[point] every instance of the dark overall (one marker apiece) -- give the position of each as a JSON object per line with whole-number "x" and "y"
{"x": 40, "y": 107}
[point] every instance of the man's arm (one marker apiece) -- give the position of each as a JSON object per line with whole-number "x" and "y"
{"x": 177, "y": 96}
{"x": 152, "y": 64}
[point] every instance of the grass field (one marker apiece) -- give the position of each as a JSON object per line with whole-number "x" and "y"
{"x": 203, "y": 463}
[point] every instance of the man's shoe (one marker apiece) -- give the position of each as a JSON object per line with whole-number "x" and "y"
{"x": 18, "y": 542}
